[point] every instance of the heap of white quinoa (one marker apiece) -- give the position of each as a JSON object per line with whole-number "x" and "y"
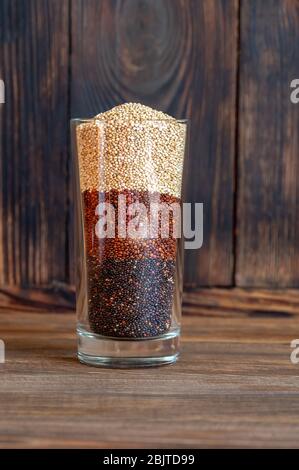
{"x": 131, "y": 146}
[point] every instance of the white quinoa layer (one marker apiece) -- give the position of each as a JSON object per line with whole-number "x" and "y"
{"x": 131, "y": 147}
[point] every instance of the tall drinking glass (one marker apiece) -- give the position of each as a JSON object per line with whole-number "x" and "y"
{"x": 129, "y": 253}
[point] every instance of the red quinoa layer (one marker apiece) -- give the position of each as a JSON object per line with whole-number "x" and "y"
{"x": 127, "y": 248}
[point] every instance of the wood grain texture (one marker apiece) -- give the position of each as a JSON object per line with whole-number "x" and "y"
{"x": 268, "y": 198}
{"x": 236, "y": 301}
{"x": 234, "y": 386}
{"x": 80, "y": 57}
{"x": 34, "y": 137}
{"x": 57, "y": 297}
{"x": 60, "y": 297}
{"x": 179, "y": 56}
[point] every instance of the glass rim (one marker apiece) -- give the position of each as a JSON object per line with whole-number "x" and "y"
{"x": 178, "y": 121}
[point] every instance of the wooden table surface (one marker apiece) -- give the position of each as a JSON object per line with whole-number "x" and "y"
{"x": 234, "y": 386}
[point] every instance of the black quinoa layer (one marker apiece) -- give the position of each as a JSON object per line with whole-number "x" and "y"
{"x": 130, "y": 298}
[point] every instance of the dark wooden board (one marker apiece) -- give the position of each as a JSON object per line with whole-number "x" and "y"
{"x": 234, "y": 386}
{"x": 208, "y": 301}
{"x": 268, "y": 197}
{"x": 34, "y": 137}
{"x": 179, "y": 56}
{"x": 278, "y": 303}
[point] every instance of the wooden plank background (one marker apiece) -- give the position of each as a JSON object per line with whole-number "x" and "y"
{"x": 268, "y": 158}
{"x": 225, "y": 64}
{"x": 34, "y": 46}
{"x": 179, "y": 56}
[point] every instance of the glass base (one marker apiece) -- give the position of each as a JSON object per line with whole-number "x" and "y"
{"x": 97, "y": 350}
